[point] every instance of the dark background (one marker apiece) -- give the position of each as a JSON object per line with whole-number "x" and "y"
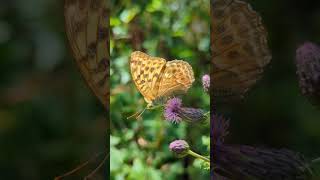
{"x": 49, "y": 120}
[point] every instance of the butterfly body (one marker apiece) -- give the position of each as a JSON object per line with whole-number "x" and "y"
{"x": 157, "y": 78}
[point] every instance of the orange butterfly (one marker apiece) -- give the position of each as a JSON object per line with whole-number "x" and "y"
{"x": 155, "y": 77}
{"x": 239, "y": 48}
{"x": 87, "y": 27}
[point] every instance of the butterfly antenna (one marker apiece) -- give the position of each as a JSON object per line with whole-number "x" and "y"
{"x": 98, "y": 167}
{"x": 69, "y": 173}
{"x": 138, "y": 113}
{"x": 142, "y": 112}
{"x": 133, "y": 114}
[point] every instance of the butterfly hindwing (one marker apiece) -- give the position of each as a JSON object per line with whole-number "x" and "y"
{"x": 87, "y": 27}
{"x": 177, "y": 77}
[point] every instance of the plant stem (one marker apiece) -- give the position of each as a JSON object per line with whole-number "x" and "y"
{"x": 198, "y": 156}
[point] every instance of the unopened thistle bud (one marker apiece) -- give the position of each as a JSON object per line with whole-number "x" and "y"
{"x": 180, "y": 148}
{"x": 206, "y": 82}
{"x": 308, "y": 71}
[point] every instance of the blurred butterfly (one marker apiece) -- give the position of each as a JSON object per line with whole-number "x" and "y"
{"x": 155, "y": 77}
{"x": 239, "y": 49}
{"x": 87, "y": 28}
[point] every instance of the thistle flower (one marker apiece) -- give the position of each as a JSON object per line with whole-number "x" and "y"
{"x": 171, "y": 110}
{"x": 180, "y": 148}
{"x": 206, "y": 82}
{"x": 175, "y": 113}
{"x": 308, "y": 70}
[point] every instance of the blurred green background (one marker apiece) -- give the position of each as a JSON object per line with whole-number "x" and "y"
{"x": 49, "y": 120}
{"x": 171, "y": 30}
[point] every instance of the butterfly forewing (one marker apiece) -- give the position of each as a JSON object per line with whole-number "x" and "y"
{"x": 239, "y": 48}
{"x": 146, "y": 71}
{"x": 87, "y": 27}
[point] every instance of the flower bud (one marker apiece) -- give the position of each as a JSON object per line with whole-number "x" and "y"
{"x": 206, "y": 82}
{"x": 308, "y": 71}
{"x": 192, "y": 115}
{"x": 179, "y": 147}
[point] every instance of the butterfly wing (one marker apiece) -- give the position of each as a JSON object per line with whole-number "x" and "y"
{"x": 87, "y": 28}
{"x": 239, "y": 48}
{"x": 177, "y": 77}
{"x": 145, "y": 71}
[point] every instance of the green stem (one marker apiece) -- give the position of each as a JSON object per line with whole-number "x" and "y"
{"x": 198, "y": 156}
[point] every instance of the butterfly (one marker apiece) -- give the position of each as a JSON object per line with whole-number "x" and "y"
{"x": 155, "y": 77}
{"x": 87, "y": 28}
{"x": 239, "y": 49}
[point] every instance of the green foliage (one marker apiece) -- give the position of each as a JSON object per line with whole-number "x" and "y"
{"x": 172, "y": 30}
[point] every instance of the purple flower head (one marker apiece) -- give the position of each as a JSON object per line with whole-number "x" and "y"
{"x": 175, "y": 113}
{"x": 179, "y": 147}
{"x": 206, "y": 82}
{"x": 308, "y": 70}
{"x": 171, "y": 110}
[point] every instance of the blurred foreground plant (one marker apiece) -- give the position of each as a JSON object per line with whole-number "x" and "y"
{"x": 247, "y": 162}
